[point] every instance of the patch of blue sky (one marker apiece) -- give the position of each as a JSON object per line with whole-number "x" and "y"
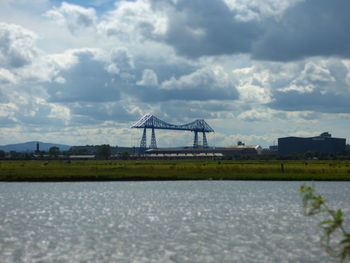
{"x": 100, "y": 6}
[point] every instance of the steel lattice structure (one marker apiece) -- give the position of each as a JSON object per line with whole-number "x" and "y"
{"x": 151, "y": 122}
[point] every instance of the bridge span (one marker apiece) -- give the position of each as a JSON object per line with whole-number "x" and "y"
{"x": 151, "y": 122}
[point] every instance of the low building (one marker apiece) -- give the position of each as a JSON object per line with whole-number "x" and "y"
{"x": 184, "y": 155}
{"x": 82, "y": 157}
{"x": 324, "y": 143}
{"x": 243, "y": 149}
{"x": 204, "y": 152}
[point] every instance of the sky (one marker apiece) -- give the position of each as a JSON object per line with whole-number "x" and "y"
{"x": 82, "y": 72}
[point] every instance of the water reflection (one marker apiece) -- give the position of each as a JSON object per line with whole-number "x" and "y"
{"x": 228, "y": 221}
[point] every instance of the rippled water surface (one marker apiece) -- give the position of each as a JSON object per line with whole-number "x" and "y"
{"x": 205, "y": 221}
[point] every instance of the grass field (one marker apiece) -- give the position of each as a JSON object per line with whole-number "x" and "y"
{"x": 173, "y": 170}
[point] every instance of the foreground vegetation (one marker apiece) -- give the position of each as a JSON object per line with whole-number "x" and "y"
{"x": 173, "y": 170}
{"x": 335, "y": 239}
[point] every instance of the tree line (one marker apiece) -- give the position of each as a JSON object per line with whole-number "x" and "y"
{"x": 100, "y": 152}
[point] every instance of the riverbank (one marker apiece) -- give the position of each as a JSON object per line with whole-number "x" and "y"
{"x": 173, "y": 170}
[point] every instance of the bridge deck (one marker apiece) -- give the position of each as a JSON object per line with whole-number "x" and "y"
{"x": 150, "y": 121}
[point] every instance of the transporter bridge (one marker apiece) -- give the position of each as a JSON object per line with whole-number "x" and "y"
{"x": 151, "y": 122}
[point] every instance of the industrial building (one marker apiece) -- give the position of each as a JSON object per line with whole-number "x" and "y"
{"x": 324, "y": 143}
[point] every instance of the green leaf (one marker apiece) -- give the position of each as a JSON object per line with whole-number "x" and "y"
{"x": 339, "y": 213}
{"x": 346, "y": 240}
{"x": 325, "y": 222}
{"x": 320, "y": 199}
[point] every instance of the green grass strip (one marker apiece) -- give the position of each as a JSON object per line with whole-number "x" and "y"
{"x": 173, "y": 170}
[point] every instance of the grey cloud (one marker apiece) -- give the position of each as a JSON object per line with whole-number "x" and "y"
{"x": 121, "y": 66}
{"x": 87, "y": 80}
{"x": 7, "y": 122}
{"x": 122, "y": 59}
{"x": 3, "y": 96}
{"x": 309, "y": 28}
{"x": 94, "y": 113}
{"x": 186, "y": 111}
{"x": 17, "y": 47}
{"x": 314, "y": 101}
{"x": 40, "y": 120}
{"x": 205, "y": 28}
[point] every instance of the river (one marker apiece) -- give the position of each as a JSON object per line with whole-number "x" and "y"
{"x": 180, "y": 221}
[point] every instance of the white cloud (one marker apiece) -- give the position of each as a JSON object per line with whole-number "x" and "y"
{"x": 17, "y": 46}
{"x": 315, "y": 75}
{"x": 149, "y": 78}
{"x": 131, "y": 20}
{"x": 314, "y": 84}
{"x": 7, "y": 76}
{"x": 258, "y": 10}
{"x": 203, "y": 84}
{"x": 255, "y": 115}
{"x": 73, "y": 16}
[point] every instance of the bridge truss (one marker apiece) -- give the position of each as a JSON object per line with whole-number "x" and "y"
{"x": 151, "y": 122}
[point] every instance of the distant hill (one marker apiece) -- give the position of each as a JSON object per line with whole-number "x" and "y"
{"x": 31, "y": 147}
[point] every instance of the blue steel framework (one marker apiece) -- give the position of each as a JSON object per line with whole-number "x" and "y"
{"x": 151, "y": 122}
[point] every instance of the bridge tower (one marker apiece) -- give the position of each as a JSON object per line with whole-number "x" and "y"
{"x": 153, "y": 140}
{"x": 195, "y": 140}
{"x": 205, "y": 142}
{"x": 143, "y": 143}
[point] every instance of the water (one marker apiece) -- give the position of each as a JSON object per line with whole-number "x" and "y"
{"x": 205, "y": 221}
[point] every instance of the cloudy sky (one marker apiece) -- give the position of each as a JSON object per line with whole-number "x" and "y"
{"x": 82, "y": 72}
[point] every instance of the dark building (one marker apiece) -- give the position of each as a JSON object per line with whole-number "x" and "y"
{"x": 324, "y": 143}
